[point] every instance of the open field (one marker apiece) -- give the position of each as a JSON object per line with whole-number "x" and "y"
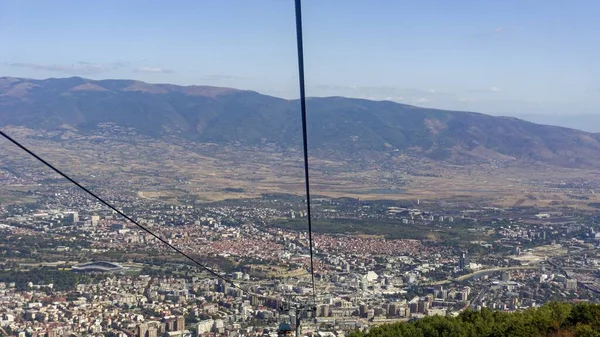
{"x": 540, "y": 253}
{"x": 156, "y": 169}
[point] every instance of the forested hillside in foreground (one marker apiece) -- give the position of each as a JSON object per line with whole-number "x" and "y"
{"x": 553, "y": 319}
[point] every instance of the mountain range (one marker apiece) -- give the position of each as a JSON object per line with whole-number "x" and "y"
{"x": 337, "y": 126}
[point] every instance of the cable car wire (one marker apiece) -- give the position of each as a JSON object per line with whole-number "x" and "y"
{"x": 299, "y": 42}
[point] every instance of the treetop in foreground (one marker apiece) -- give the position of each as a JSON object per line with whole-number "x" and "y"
{"x": 553, "y": 319}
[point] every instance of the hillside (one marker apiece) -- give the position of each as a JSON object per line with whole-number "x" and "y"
{"x": 554, "y": 319}
{"x": 338, "y": 126}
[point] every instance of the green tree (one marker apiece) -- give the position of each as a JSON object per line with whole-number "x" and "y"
{"x": 584, "y": 330}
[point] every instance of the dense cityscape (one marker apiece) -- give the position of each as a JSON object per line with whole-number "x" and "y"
{"x": 73, "y": 267}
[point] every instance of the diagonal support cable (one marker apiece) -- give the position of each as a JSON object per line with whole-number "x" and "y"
{"x": 92, "y": 194}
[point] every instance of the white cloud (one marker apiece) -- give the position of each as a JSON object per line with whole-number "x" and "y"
{"x": 218, "y": 77}
{"x": 421, "y": 100}
{"x": 85, "y": 68}
{"x": 486, "y": 90}
{"x": 432, "y": 91}
{"x": 152, "y": 70}
{"x": 490, "y": 33}
{"x": 74, "y": 68}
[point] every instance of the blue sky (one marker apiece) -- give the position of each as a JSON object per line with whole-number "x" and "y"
{"x": 500, "y": 57}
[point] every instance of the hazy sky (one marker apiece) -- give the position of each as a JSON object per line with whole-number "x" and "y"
{"x": 500, "y": 57}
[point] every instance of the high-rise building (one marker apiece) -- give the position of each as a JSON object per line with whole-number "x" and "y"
{"x": 413, "y": 307}
{"x": 143, "y": 330}
{"x": 571, "y": 284}
{"x": 170, "y": 324}
{"x": 152, "y": 331}
{"x": 464, "y": 261}
{"x": 255, "y": 300}
{"x": 422, "y": 307}
{"x": 362, "y": 309}
{"x": 52, "y": 333}
{"x": 393, "y": 310}
{"x": 517, "y": 250}
{"x": 438, "y": 291}
{"x": 429, "y": 298}
{"x": 71, "y": 217}
{"x": 180, "y": 323}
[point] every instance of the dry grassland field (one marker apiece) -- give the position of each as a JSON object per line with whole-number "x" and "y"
{"x": 156, "y": 169}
